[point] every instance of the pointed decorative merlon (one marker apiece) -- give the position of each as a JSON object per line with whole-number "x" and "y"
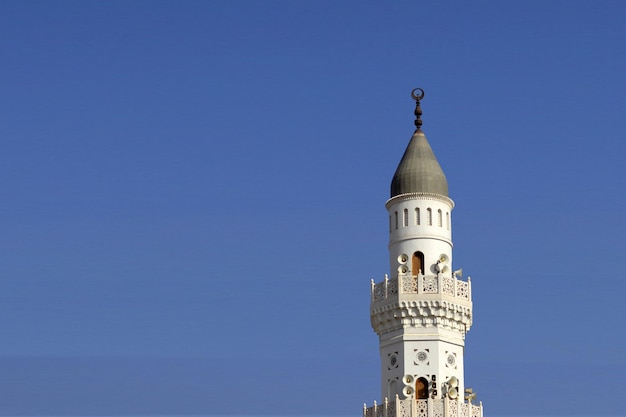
{"x": 418, "y": 109}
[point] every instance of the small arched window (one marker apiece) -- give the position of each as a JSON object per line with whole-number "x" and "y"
{"x": 417, "y": 216}
{"x": 406, "y": 217}
{"x": 448, "y": 220}
{"x": 396, "y": 213}
{"x": 429, "y": 216}
{"x": 439, "y": 218}
{"x": 421, "y": 388}
{"x": 417, "y": 263}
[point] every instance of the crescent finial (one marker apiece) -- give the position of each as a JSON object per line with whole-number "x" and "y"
{"x": 418, "y": 109}
{"x": 417, "y": 97}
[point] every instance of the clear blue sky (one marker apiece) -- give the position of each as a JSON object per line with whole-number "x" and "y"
{"x": 192, "y": 199}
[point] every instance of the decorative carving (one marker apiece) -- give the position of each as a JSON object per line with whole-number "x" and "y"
{"x": 447, "y": 286}
{"x": 379, "y": 291}
{"x": 462, "y": 289}
{"x": 409, "y": 285}
{"x": 464, "y": 410}
{"x": 405, "y": 408}
{"x": 437, "y": 408}
{"x": 451, "y": 361}
{"x": 420, "y": 313}
{"x": 419, "y": 196}
{"x": 422, "y": 408}
{"x": 392, "y": 287}
{"x": 455, "y": 408}
{"x": 429, "y": 285}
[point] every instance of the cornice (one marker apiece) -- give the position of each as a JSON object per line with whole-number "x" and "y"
{"x": 419, "y": 196}
{"x": 420, "y": 314}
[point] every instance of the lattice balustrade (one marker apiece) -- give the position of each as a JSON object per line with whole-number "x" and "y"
{"x": 379, "y": 291}
{"x": 429, "y": 284}
{"x": 405, "y": 408}
{"x": 440, "y": 407}
{"x": 409, "y": 285}
{"x": 392, "y": 287}
{"x": 453, "y": 408}
{"x": 464, "y": 410}
{"x": 422, "y": 408}
{"x": 447, "y": 286}
{"x": 462, "y": 289}
{"x": 437, "y": 408}
{"x": 426, "y": 284}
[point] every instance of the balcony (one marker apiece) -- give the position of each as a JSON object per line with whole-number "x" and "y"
{"x": 432, "y": 407}
{"x": 422, "y": 284}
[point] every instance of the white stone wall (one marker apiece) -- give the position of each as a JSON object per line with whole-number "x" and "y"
{"x": 430, "y": 234}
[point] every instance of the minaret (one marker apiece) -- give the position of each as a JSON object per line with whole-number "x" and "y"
{"x": 422, "y": 310}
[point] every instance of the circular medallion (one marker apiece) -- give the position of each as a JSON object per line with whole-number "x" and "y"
{"x": 393, "y": 361}
{"x": 421, "y": 356}
{"x": 451, "y": 360}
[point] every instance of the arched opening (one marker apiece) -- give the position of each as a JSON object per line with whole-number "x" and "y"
{"x": 417, "y": 263}
{"x": 393, "y": 389}
{"x": 421, "y": 388}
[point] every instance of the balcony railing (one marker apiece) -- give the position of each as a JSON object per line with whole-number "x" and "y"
{"x": 412, "y": 407}
{"x": 422, "y": 284}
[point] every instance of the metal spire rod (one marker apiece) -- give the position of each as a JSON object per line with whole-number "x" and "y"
{"x": 418, "y": 109}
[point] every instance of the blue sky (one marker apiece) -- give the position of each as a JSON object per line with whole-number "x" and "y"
{"x": 192, "y": 199}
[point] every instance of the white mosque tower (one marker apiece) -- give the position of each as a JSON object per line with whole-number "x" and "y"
{"x": 422, "y": 311}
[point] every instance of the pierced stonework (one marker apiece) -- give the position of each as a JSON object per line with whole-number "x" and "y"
{"x": 462, "y": 290}
{"x": 392, "y": 287}
{"x": 437, "y": 408}
{"x": 453, "y": 407}
{"x": 405, "y": 410}
{"x": 429, "y": 285}
{"x": 447, "y": 286}
{"x": 432, "y": 407}
{"x": 464, "y": 410}
{"x": 422, "y": 408}
{"x": 379, "y": 291}
{"x": 409, "y": 285}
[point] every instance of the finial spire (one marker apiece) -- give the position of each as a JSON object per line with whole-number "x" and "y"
{"x": 418, "y": 109}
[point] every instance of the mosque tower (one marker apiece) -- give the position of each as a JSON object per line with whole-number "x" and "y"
{"x": 422, "y": 311}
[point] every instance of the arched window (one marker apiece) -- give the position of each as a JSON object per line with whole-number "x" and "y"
{"x": 393, "y": 389}
{"x": 390, "y": 228}
{"x": 421, "y": 388}
{"x": 439, "y": 218}
{"x": 406, "y": 217}
{"x": 448, "y": 220}
{"x": 396, "y": 219}
{"x": 417, "y": 216}
{"x": 417, "y": 263}
{"x": 429, "y": 216}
